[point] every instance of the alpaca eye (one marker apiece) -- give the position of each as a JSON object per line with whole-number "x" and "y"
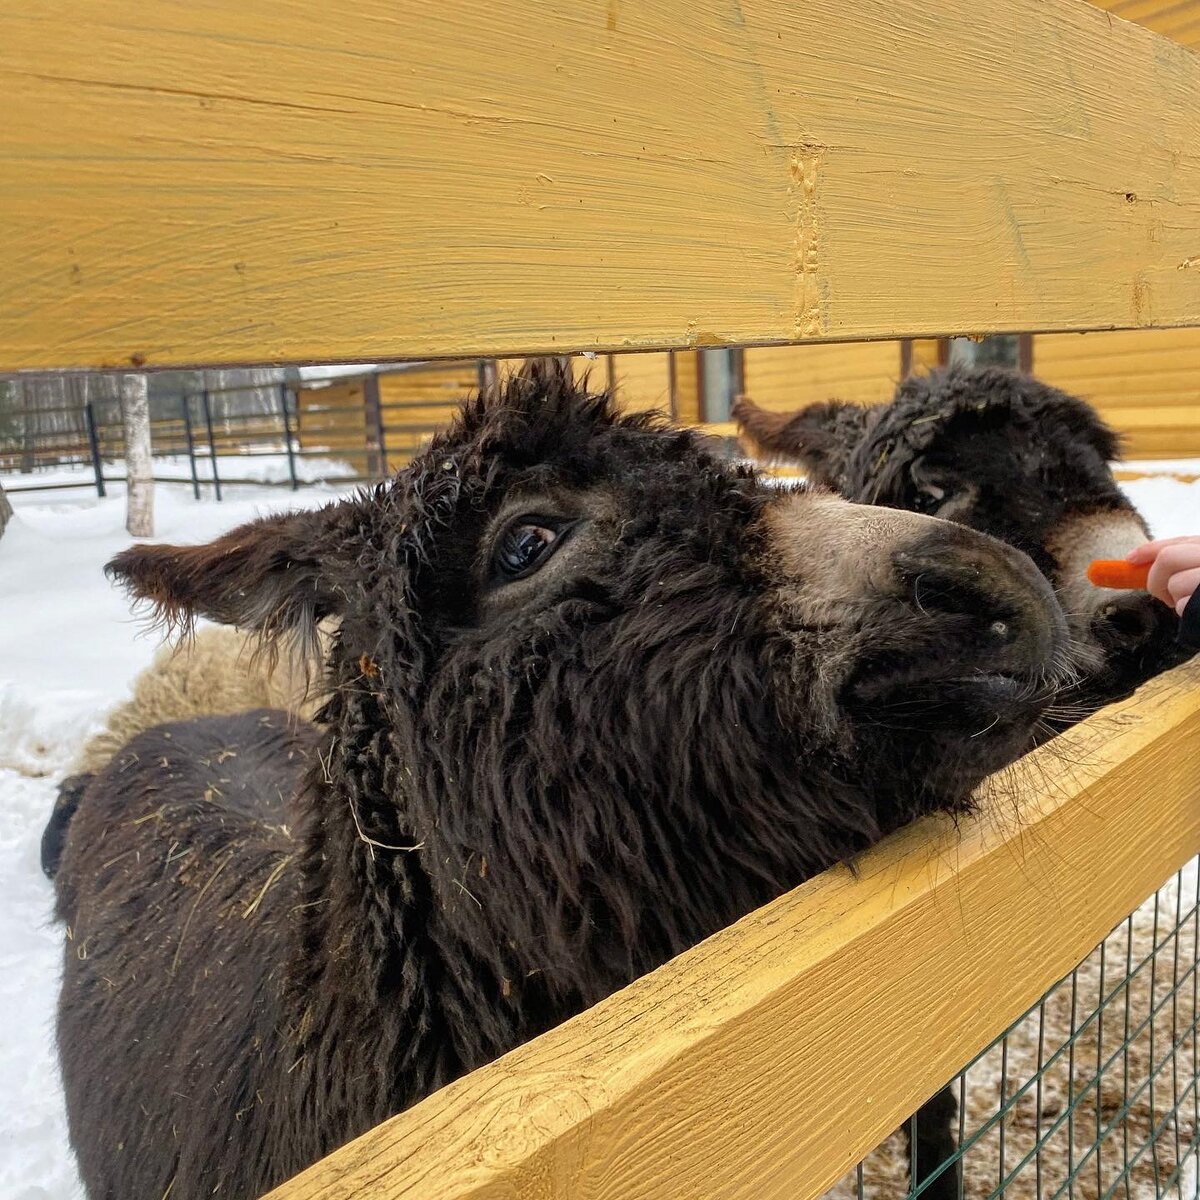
{"x": 523, "y": 547}
{"x": 929, "y": 497}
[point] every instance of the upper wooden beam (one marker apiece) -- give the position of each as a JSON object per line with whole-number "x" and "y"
{"x": 295, "y": 180}
{"x": 771, "y": 1058}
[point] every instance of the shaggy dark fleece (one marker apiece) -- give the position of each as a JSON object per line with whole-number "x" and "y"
{"x": 70, "y": 792}
{"x": 1001, "y": 452}
{"x": 521, "y": 799}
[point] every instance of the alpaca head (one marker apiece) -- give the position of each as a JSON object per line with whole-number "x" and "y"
{"x": 575, "y": 650}
{"x": 1003, "y": 453}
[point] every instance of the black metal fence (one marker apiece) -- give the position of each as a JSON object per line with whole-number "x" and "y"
{"x": 341, "y": 430}
{"x": 335, "y": 430}
{"x": 1093, "y": 1094}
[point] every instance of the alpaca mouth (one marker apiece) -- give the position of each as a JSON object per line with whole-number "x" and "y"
{"x": 917, "y": 693}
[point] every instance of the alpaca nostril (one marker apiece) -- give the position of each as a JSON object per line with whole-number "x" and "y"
{"x": 1002, "y": 603}
{"x": 941, "y": 588}
{"x": 1128, "y": 622}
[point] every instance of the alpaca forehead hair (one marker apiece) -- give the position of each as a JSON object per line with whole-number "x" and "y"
{"x": 927, "y": 406}
{"x": 536, "y": 433}
{"x": 573, "y": 438}
{"x": 523, "y": 409}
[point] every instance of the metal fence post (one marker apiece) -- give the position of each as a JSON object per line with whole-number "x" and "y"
{"x": 212, "y": 446}
{"x": 185, "y": 405}
{"x": 489, "y": 374}
{"x": 287, "y": 434}
{"x": 377, "y": 463}
{"x": 94, "y": 446}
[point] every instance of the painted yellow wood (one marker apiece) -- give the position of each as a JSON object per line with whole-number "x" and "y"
{"x": 725, "y": 1073}
{"x": 1177, "y": 19}
{"x": 685, "y": 396}
{"x": 643, "y": 381}
{"x": 1145, "y": 383}
{"x": 416, "y": 404}
{"x": 254, "y": 180}
{"x": 333, "y": 417}
{"x": 924, "y": 355}
{"x": 1128, "y": 476}
{"x": 428, "y": 397}
{"x": 788, "y": 377}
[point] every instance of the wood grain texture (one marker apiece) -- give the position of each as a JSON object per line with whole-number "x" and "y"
{"x": 1145, "y": 383}
{"x": 642, "y": 381}
{"x": 1177, "y": 19}
{"x": 685, "y": 390}
{"x": 769, "y": 1059}
{"x": 785, "y": 378}
{"x": 255, "y": 180}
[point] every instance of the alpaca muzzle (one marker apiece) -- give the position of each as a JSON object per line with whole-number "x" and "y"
{"x": 944, "y": 611}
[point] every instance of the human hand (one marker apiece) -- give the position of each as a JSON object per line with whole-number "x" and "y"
{"x": 1174, "y": 570}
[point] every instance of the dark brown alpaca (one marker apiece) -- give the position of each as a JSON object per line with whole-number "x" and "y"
{"x": 1010, "y": 456}
{"x": 521, "y": 798}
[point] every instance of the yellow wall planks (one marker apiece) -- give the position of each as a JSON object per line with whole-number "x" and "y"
{"x": 328, "y": 180}
{"x": 1145, "y": 383}
{"x": 724, "y": 1074}
{"x": 788, "y": 377}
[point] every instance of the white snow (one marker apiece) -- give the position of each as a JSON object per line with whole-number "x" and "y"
{"x": 316, "y": 374}
{"x": 232, "y": 469}
{"x": 68, "y": 651}
{"x": 1189, "y": 1182}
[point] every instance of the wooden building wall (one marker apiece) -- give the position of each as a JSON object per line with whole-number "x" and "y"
{"x": 787, "y": 377}
{"x": 1145, "y": 383}
{"x": 414, "y": 404}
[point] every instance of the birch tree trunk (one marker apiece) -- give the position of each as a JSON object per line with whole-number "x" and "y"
{"x": 5, "y": 510}
{"x": 135, "y": 417}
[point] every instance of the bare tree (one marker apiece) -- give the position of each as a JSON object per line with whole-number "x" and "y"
{"x": 5, "y": 510}
{"x": 135, "y": 417}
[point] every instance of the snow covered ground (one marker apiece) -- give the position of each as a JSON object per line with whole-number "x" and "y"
{"x": 232, "y": 469}
{"x": 68, "y": 651}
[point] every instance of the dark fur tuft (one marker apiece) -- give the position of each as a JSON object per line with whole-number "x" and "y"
{"x": 54, "y": 837}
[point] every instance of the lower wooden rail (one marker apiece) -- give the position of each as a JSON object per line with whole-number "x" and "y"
{"x": 771, "y": 1058}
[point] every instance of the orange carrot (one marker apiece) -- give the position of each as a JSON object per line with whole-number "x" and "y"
{"x": 1117, "y": 573}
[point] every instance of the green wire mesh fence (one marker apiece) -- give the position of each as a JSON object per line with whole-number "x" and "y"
{"x": 1093, "y": 1093}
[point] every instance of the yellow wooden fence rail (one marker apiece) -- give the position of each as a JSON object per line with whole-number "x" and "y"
{"x": 295, "y": 180}
{"x": 769, "y": 1059}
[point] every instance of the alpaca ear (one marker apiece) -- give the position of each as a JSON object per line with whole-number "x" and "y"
{"x": 274, "y": 575}
{"x": 819, "y": 437}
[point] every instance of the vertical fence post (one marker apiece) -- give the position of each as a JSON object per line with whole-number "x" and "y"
{"x": 212, "y": 445}
{"x": 185, "y": 407}
{"x": 489, "y": 374}
{"x": 377, "y": 463}
{"x": 287, "y": 434}
{"x": 89, "y": 413}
